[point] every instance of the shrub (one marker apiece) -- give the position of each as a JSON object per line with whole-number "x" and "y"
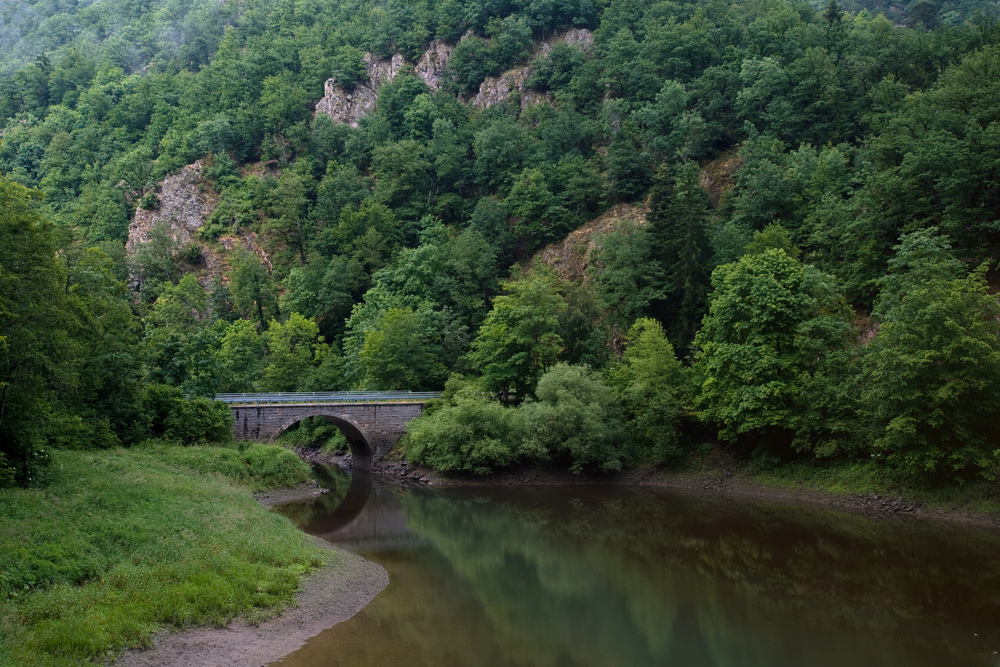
{"x": 577, "y": 419}
{"x": 473, "y": 433}
{"x": 150, "y": 202}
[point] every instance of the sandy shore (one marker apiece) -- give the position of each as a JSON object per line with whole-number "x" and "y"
{"x": 328, "y": 596}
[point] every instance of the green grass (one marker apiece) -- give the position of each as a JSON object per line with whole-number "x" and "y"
{"x": 254, "y": 465}
{"x": 980, "y": 497}
{"x": 123, "y": 543}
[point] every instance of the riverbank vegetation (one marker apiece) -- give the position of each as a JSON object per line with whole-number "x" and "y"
{"x": 121, "y": 544}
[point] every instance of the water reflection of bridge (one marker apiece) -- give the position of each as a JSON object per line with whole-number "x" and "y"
{"x": 369, "y": 518}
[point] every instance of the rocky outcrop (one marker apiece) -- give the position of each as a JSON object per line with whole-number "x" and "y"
{"x": 431, "y": 65}
{"x": 580, "y": 37}
{"x": 571, "y": 256}
{"x": 347, "y": 106}
{"x": 184, "y": 205}
{"x": 496, "y": 90}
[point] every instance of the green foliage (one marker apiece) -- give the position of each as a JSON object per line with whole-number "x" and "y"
{"x": 348, "y": 66}
{"x": 149, "y": 202}
{"x": 472, "y": 433}
{"x": 627, "y": 277}
{"x": 654, "y": 390}
{"x": 399, "y": 353}
{"x": 34, "y": 329}
{"x": 752, "y": 126}
{"x": 292, "y": 348}
{"x": 678, "y": 220}
{"x": 186, "y": 419}
{"x": 518, "y": 341}
{"x": 576, "y": 420}
{"x": 775, "y": 237}
{"x": 932, "y": 371}
{"x": 769, "y": 340}
{"x": 199, "y": 419}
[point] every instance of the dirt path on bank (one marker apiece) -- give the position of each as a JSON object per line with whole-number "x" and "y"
{"x": 328, "y": 596}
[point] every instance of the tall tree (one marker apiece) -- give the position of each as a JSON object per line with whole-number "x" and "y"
{"x": 768, "y": 342}
{"x": 678, "y": 217}
{"x": 932, "y": 373}
{"x": 33, "y": 330}
{"x": 518, "y": 341}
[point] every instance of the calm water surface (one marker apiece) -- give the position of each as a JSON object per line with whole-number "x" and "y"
{"x": 606, "y": 576}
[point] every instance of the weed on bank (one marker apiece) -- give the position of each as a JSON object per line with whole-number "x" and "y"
{"x": 123, "y": 543}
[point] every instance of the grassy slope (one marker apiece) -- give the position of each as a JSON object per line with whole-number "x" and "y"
{"x": 126, "y": 542}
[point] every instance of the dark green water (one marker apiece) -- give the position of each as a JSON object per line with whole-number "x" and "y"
{"x": 613, "y": 576}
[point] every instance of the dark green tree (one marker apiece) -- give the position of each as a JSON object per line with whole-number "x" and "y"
{"x": 678, "y": 219}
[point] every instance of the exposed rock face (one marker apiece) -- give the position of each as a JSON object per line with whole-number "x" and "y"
{"x": 576, "y": 37}
{"x": 496, "y": 90}
{"x": 432, "y": 63}
{"x": 183, "y": 204}
{"x": 347, "y": 106}
{"x": 571, "y": 256}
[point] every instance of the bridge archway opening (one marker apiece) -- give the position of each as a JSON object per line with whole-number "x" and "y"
{"x": 362, "y": 446}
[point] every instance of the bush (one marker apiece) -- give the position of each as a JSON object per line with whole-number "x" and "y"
{"x": 186, "y": 420}
{"x": 150, "y": 202}
{"x": 577, "y": 419}
{"x": 473, "y": 433}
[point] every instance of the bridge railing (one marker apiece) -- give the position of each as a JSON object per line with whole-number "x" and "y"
{"x": 300, "y": 397}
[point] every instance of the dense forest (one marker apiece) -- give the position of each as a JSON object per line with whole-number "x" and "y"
{"x": 800, "y": 266}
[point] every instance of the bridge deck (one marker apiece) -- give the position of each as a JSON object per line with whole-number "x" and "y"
{"x": 323, "y": 397}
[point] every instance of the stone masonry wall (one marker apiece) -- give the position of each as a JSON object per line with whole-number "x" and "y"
{"x": 382, "y": 424}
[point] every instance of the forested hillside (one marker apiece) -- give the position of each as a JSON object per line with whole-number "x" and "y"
{"x": 275, "y": 195}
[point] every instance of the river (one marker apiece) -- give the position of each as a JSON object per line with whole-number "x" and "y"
{"x": 610, "y": 575}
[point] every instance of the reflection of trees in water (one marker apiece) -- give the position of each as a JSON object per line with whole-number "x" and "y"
{"x": 336, "y": 481}
{"x": 647, "y": 580}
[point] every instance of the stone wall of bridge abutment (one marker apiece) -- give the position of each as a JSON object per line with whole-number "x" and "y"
{"x": 380, "y": 425}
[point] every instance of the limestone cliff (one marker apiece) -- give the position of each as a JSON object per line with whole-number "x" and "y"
{"x": 348, "y": 106}
{"x": 431, "y": 65}
{"x": 496, "y": 90}
{"x": 185, "y": 204}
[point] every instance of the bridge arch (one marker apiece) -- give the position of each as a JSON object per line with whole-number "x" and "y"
{"x": 362, "y": 445}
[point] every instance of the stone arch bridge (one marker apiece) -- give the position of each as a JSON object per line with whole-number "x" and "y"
{"x": 372, "y": 422}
